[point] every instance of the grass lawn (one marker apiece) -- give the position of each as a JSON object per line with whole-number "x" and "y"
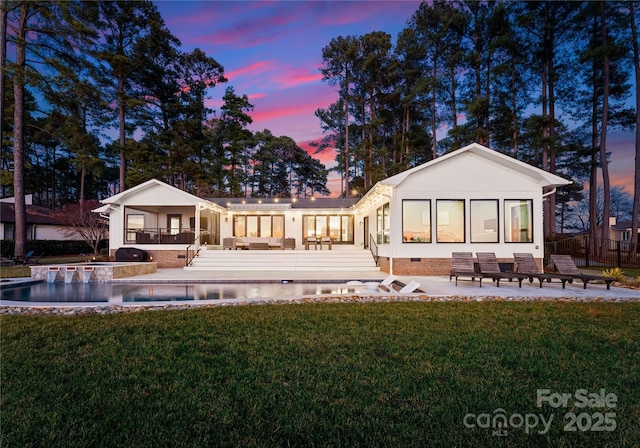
{"x": 380, "y": 374}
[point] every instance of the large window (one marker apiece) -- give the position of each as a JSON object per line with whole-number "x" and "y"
{"x": 518, "y": 221}
{"x": 484, "y": 221}
{"x": 258, "y": 225}
{"x": 450, "y": 221}
{"x": 135, "y": 223}
{"x": 416, "y": 221}
{"x": 338, "y": 227}
{"x": 384, "y": 224}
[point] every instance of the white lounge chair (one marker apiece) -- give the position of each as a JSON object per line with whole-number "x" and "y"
{"x": 409, "y": 287}
{"x": 386, "y": 282}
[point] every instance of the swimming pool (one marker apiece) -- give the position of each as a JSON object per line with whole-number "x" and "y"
{"x": 96, "y": 293}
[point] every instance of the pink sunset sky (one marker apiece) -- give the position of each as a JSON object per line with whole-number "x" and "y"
{"x": 272, "y": 52}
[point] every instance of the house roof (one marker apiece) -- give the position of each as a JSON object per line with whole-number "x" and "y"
{"x": 622, "y": 226}
{"x": 35, "y": 214}
{"x": 284, "y": 203}
{"x": 150, "y": 184}
{"x": 545, "y": 178}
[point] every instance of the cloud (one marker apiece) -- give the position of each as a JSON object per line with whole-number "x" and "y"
{"x": 252, "y": 70}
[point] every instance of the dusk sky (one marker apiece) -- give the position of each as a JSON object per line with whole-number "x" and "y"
{"x": 272, "y": 52}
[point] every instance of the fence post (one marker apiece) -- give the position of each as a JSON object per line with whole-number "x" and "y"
{"x": 619, "y": 254}
{"x": 587, "y": 251}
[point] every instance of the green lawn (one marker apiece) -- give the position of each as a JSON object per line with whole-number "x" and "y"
{"x": 381, "y": 374}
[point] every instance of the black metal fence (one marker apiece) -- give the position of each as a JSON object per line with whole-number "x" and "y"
{"x": 598, "y": 252}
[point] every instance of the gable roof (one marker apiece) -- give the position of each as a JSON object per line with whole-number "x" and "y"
{"x": 544, "y": 178}
{"x": 151, "y": 184}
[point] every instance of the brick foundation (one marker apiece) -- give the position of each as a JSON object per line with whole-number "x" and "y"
{"x": 164, "y": 258}
{"x": 421, "y": 266}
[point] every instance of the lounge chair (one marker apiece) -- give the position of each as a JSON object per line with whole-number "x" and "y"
{"x": 463, "y": 266}
{"x": 384, "y": 283}
{"x": 406, "y": 289}
{"x": 564, "y": 265}
{"x": 489, "y": 268}
{"x": 29, "y": 258}
{"x": 526, "y": 264}
{"x": 409, "y": 287}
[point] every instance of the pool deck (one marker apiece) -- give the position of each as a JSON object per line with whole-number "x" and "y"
{"x": 432, "y": 288}
{"x": 429, "y": 285}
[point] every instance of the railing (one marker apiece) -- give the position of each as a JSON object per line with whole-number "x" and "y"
{"x": 588, "y": 252}
{"x": 160, "y": 236}
{"x": 192, "y": 252}
{"x": 373, "y": 247}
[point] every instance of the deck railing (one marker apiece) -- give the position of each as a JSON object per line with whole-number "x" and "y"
{"x": 160, "y": 236}
{"x": 192, "y": 252}
{"x": 373, "y": 247}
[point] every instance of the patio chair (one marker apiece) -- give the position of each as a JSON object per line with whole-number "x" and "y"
{"x": 489, "y": 268}
{"x": 526, "y": 264}
{"x": 463, "y": 266}
{"x": 326, "y": 240}
{"x": 29, "y": 258}
{"x": 565, "y": 265}
{"x": 289, "y": 243}
{"x": 228, "y": 243}
{"x": 311, "y": 242}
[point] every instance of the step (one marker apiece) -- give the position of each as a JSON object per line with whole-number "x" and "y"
{"x": 276, "y": 260}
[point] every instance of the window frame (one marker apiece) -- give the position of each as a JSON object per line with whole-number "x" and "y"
{"x": 497, "y": 218}
{"x": 464, "y": 220}
{"x": 429, "y": 233}
{"x": 508, "y": 230}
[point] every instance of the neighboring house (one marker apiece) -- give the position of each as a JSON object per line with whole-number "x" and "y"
{"x": 473, "y": 200}
{"x": 621, "y": 231}
{"x": 42, "y": 223}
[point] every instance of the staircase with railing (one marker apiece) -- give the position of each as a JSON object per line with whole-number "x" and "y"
{"x": 350, "y": 260}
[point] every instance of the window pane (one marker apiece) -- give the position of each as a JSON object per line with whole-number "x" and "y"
{"x": 252, "y": 226}
{"x": 321, "y": 226}
{"x": 265, "y": 226}
{"x": 416, "y": 221}
{"x": 309, "y": 226}
{"x": 239, "y": 226}
{"x": 379, "y": 225}
{"x": 383, "y": 222}
{"x": 387, "y": 223}
{"x": 484, "y": 221}
{"x": 278, "y": 226}
{"x": 450, "y": 221}
{"x": 347, "y": 229}
{"x": 518, "y": 225}
{"x": 334, "y": 227}
{"x": 134, "y": 222}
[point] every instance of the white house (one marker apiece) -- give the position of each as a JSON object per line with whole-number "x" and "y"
{"x": 471, "y": 200}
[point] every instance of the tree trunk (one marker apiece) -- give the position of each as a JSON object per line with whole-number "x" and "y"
{"x": 18, "y": 135}
{"x": 123, "y": 135}
{"x": 604, "y": 165}
{"x": 593, "y": 174}
{"x": 3, "y": 64}
{"x": 346, "y": 135}
{"x": 636, "y": 186}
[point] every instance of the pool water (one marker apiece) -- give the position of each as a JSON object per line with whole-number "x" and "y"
{"x": 128, "y": 293}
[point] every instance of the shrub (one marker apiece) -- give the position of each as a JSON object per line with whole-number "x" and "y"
{"x": 615, "y": 273}
{"x": 52, "y": 247}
